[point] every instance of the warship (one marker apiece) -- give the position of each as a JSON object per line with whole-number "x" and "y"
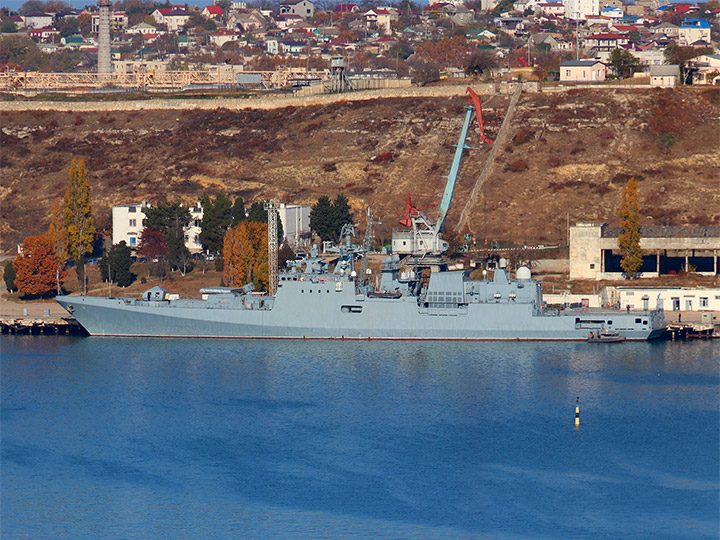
{"x": 418, "y": 295}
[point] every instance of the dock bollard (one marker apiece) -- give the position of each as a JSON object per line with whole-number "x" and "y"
{"x": 577, "y": 413}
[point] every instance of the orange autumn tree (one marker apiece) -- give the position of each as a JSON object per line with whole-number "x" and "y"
{"x": 37, "y": 268}
{"x": 245, "y": 254}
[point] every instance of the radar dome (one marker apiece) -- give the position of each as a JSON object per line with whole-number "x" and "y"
{"x": 524, "y": 273}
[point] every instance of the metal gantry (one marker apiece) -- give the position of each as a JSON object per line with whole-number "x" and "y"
{"x": 271, "y": 210}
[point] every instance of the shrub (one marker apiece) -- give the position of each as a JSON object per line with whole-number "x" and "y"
{"x": 518, "y": 165}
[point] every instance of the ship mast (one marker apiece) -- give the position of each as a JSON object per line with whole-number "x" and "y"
{"x": 271, "y": 210}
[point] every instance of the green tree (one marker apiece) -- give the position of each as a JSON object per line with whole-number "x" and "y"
{"x": 321, "y": 218}
{"x": 9, "y": 276}
{"x": 341, "y": 214}
{"x": 171, "y": 218}
{"x": 327, "y": 218}
{"x": 8, "y": 27}
{"x": 624, "y": 62}
{"x": 77, "y": 216}
{"x": 115, "y": 265}
{"x": 238, "y": 211}
{"x": 629, "y": 239}
{"x": 217, "y": 217}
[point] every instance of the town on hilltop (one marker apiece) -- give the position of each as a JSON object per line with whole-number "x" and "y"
{"x": 295, "y": 43}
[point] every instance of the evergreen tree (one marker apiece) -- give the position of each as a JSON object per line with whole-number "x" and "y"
{"x": 115, "y": 265}
{"x": 217, "y": 217}
{"x": 629, "y": 239}
{"x": 322, "y": 218}
{"x": 238, "y": 211}
{"x": 171, "y": 218}
{"x": 341, "y": 214}
{"x": 77, "y": 216}
{"x": 9, "y": 276}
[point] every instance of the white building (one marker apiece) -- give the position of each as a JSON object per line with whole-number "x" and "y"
{"x": 580, "y": 9}
{"x": 664, "y": 76}
{"x": 295, "y": 220}
{"x": 127, "y": 222}
{"x": 582, "y": 71}
{"x": 670, "y": 299}
{"x": 127, "y": 225}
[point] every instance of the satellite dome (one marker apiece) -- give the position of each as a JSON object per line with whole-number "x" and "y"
{"x": 524, "y": 273}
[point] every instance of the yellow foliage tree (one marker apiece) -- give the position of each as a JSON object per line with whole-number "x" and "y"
{"x": 77, "y": 215}
{"x": 245, "y": 254}
{"x": 56, "y": 231}
{"x": 629, "y": 239}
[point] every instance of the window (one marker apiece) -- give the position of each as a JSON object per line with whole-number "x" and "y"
{"x": 133, "y": 222}
{"x": 132, "y": 209}
{"x": 675, "y": 303}
{"x": 704, "y": 301}
{"x": 688, "y": 305}
{"x": 592, "y": 266}
{"x": 132, "y": 240}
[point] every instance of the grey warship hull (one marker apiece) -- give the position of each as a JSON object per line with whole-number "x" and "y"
{"x": 334, "y": 309}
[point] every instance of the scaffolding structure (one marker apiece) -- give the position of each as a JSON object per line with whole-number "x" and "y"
{"x": 273, "y": 248}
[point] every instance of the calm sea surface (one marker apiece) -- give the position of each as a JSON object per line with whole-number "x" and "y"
{"x": 154, "y": 438}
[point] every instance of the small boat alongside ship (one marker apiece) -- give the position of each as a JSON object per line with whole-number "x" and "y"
{"x": 605, "y": 337}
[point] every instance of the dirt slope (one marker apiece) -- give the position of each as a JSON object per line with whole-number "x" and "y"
{"x": 571, "y": 154}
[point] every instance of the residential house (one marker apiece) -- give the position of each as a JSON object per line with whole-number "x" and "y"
{"x": 582, "y": 71}
{"x": 295, "y": 220}
{"x": 694, "y": 31}
{"x": 605, "y": 42}
{"x": 213, "y": 12}
{"x": 142, "y": 28}
{"x": 247, "y": 22}
{"x": 221, "y": 37}
{"x": 38, "y": 20}
{"x": 664, "y": 76}
{"x": 160, "y": 13}
{"x": 459, "y": 14}
{"x": 596, "y": 21}
{"x": 707, "y": 69}
{"x": 666, "y": 29}
{"x": 304, "y": 8}
{"x": 615, "y": 13}
{"x": 118, "y": 21}
{"x": 551, "y": 8}
{"x": 43, "y": 34}
{"x": 176, "y": 19}
{"x": 347, "y": 8}
{"x": 381, "y": 19}
{"x": 543, "y": 40}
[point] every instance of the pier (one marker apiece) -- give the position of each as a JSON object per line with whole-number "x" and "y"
{"x": 37, "y": 318}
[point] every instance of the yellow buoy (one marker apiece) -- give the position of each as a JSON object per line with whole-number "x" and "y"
{"x": 577, "y": 413}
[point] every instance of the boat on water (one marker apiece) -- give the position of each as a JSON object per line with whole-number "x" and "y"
{"x": 418, "y": 297}
{"x": 605, "y": 337}
{"x": 410, "y": 303}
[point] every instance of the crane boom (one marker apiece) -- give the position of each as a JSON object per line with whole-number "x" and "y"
{"x": 452, "y": 177}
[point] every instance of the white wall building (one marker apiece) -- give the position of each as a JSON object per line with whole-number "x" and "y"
{"x": 579, "y": 9}
{"x": 671, "y": 299}
{"x": 127, "y": 225}
{"x": 127, "y": 222}
{"x": 295, "y": 220}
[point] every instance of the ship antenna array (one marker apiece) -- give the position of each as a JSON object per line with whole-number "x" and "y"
{"x": 271, "y": 210}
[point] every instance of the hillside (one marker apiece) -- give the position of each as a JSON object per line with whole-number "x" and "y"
{"x": 570, "y": 154}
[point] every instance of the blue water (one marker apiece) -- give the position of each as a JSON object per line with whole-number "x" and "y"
{"x": 129, "y": 438}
